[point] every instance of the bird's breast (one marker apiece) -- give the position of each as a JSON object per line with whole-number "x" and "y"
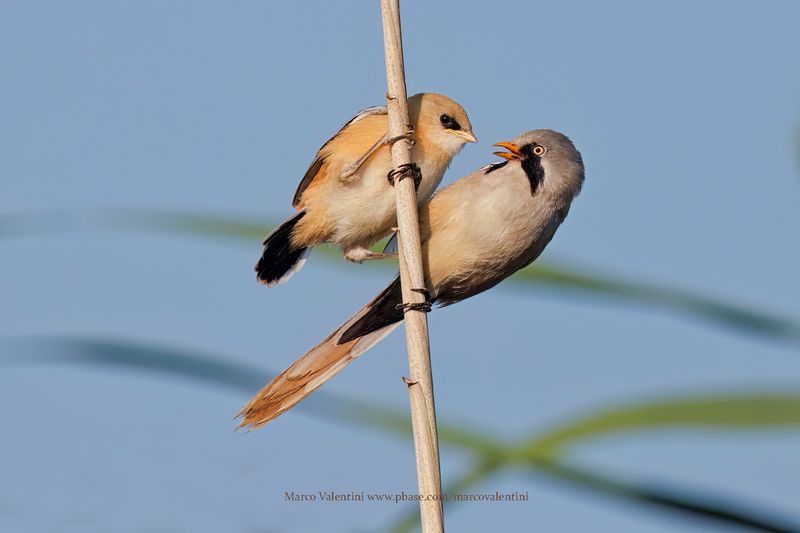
{"x": 482, "y": 231}
{"x": 362, "y": 208}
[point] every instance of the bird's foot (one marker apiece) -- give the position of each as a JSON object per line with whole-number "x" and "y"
{"x": 407, "y": 170}
{"x": 425, "y": 306}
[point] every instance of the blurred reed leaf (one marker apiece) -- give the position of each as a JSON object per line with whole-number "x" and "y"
{"x": 677, "y": 501}
{"x": 544, "y": 453}
{"x": 399, "y": 422}
{"x": 538, "y": 455}
{"x": 26, "y": 224}
{"x": 542, "y": 273}
{"x": 120, "y": 355}
{"x": 683, "y": 501}
{"x": 677, "y": 300}
{"x": 723, "y": 411}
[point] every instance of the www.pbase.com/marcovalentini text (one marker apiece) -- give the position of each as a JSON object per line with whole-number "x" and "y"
{"x": 361, "y": 496}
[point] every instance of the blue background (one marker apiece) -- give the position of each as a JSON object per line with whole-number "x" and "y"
{"x": 687, "y": 117}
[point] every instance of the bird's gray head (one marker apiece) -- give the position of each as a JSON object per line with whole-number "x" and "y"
{"x": 549, "y": 160}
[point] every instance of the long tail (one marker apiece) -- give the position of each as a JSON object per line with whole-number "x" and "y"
{"x": 360, "y": 333}
{"x": 280, "y": 259}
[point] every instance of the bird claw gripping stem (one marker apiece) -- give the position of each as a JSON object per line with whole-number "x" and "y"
{"x": 425, "y": 306}
{"x": 407, "y": 170}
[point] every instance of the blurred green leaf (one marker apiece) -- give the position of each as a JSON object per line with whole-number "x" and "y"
{"x": 686, "y": 502}
{"x": 751, "y": 411}
{"x": 139, "y": 357}
{"x": 544, "y": 453}
{"x": 399, "y": 422}
{"x": 131, "y": 355}
{"x": 542, "y": 273}
{"x": 713, "y": 310}
{"x": 724, "y": 411}
{"x": 14, "y": 225}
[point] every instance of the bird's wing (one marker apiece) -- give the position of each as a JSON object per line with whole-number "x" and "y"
{"x": 358, "y": 139}
{"x": 547, "y": 235}
{"x": 374, "y": 110}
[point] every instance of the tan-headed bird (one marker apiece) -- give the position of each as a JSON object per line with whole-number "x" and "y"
{"x": 346, "y": 197}
{"x": 475, "y": 233}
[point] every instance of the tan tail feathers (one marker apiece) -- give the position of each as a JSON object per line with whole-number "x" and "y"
{"x": 309, "y": 372}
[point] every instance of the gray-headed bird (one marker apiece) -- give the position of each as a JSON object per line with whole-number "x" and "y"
{"x": 346, "y": 197}
{"x": 475, "y": 233}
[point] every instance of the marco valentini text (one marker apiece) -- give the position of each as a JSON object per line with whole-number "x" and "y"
{"x": 361, "y": 496}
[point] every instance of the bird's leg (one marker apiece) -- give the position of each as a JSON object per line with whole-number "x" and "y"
{"x": 409, "y": 136}
{"x": 425, "y": 306}
{"x": 358, "y": 254}
{"x": 351, "y": 169}
{"x": 380, "y": 255}
{"x": 407, "y": 170}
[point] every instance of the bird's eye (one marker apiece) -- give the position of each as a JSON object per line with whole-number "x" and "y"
{"x": 449, "y": 122}
{"x": 538, "y": 150}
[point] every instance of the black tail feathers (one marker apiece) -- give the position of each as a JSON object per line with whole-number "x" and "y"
{"x": 280, "y": 259}
{"x": 383, "y": 311}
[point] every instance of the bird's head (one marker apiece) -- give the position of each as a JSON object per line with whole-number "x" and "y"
{"x": 440, "y": 121}
{"x": 548, "y": 158}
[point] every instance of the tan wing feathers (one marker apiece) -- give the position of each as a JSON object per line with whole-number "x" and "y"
{"x": 309, "y": 176}
{"x": 349, "y": 145}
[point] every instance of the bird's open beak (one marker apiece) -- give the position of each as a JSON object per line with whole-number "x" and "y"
{"x": 511, "y": 147}
{"x": 467, "y": 135}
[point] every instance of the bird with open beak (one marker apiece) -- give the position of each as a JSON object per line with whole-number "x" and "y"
{"x": 475, "y": 233}
{"x": 346, "y": 197}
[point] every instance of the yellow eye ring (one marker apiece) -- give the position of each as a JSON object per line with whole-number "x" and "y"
{"x": 538, "y": 150}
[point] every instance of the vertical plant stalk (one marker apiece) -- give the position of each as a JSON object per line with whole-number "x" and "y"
{"x": 420, "y": 383}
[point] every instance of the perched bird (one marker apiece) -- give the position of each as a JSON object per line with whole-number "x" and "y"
{"x": 346, "y": 198}
{"x": 475, "y": 233}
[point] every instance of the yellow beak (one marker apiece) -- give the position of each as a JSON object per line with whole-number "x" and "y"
{"x": 467, "y": 135}
{"x": 511, "y": 147}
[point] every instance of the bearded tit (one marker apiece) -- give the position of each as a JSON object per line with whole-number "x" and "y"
{"x": 346, "y": 198}
{"x": 475, "y": 233}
